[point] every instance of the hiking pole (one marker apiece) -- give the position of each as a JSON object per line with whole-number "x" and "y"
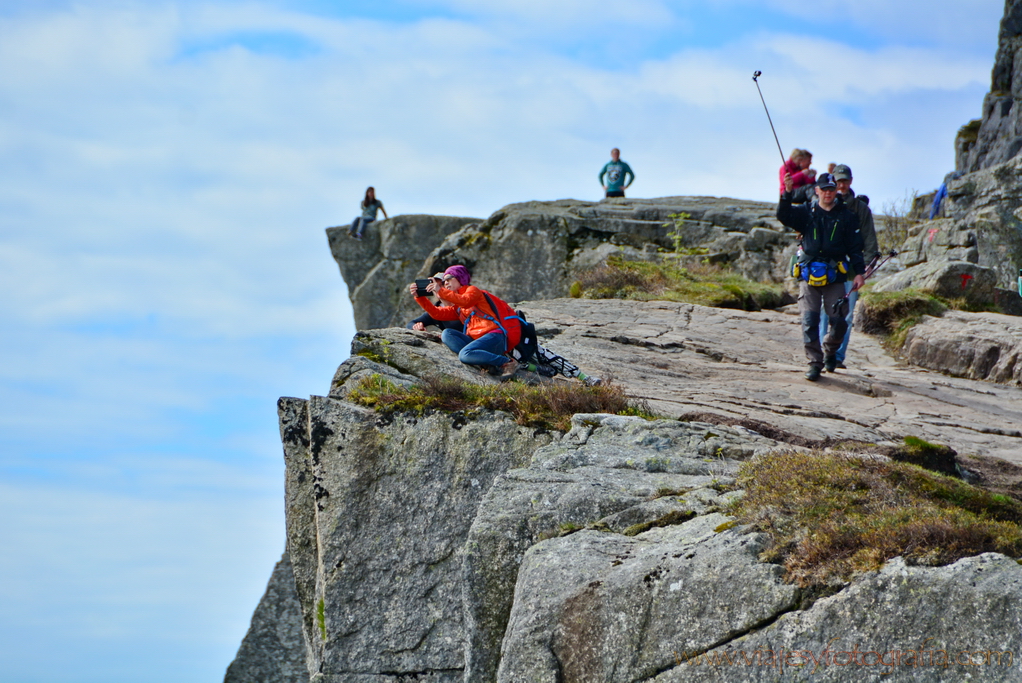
{"x": 755, "y": 77}
{"x": 842, "y": 303}
{"x": 873, "y": 265}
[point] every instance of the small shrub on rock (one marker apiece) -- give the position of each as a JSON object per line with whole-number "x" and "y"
{"x": 831, "y": 516}
{"x": 706, "y": 285}
{"x": 547, "y": 406}
{"x": 892, "y": 314}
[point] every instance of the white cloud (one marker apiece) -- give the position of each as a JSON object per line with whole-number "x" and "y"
{"x": 566, "y": 14}
{"x": 949, "y": 23}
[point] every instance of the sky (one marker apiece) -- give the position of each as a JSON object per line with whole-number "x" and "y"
{"x": 169, "y": 169}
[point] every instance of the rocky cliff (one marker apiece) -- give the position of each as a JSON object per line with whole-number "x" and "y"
{"x": 980, "y": 235}
{"x": 996, "y": 137}
{"x": 274, "y": 647}
{"x": 465, "y": 547}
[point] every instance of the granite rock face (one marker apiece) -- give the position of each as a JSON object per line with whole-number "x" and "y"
{"x": 918, "y": 624}
{"x": 377, "y": 512}
{"x": 949, "y": 279}
{"x": 981, "y": 235}
{"x": 273, "y": 650}
{"x": 997, "y": 136}
{"x": 464, "y": 547}
{"x": 603, "y": 607}
{"x": 615, "y": 474}
{"x": 532, "y": 250}
{"x": 987, "y": 207}
{"x": 984, "y": 346}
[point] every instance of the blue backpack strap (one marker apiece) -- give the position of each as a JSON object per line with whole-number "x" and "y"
{"x": 464, "y": 324}
{"x": 493, "y": 308}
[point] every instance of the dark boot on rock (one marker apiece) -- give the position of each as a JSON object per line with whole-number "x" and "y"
{"x": 814, "y": 373}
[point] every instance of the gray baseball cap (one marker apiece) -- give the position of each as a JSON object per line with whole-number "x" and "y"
{"x": 842, "y": 172}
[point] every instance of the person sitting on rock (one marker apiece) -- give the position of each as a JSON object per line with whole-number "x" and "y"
{"x": 426, "y": 320}
{"x": 832, "y": 251}
{"x": 543, "y": 362}
{"x": 370, "y": 205}
{"x": 482, "y": 342}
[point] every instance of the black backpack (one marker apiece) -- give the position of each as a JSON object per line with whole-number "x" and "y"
{"x": 528, "y": 347}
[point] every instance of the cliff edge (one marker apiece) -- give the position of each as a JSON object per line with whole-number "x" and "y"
{"x": 466, "y": 547}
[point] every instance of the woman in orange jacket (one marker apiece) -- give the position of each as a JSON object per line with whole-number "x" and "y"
{"x": 482, "y": 343}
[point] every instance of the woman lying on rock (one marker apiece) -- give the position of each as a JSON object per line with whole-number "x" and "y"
{"x": 484, "y": 341}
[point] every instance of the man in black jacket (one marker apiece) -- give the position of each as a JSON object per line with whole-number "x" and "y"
{"x": 831, "y": 253}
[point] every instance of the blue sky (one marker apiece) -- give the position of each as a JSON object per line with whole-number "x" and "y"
{"x": 169, "y": 170}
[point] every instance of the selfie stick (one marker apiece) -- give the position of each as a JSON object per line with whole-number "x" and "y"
{"x": 755, "y": 77}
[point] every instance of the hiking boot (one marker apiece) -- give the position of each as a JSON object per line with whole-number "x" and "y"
{"x": 841, "y": 365}
{"x": 508, "y": 370}
{"x": 546, "y": 371}
{"x": 813, "y": 373}
{"x": 830, "y": 363}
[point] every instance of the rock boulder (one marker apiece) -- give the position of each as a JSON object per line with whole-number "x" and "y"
{"x": 464, "y": 547}
{"x": 378, "y": 268}
{"x": 983, "y": 346}
{"x": 532, "y": 250}
{"x": 947, "y": 279}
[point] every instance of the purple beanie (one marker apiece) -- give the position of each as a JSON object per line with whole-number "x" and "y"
{"x": 460, "y": 272}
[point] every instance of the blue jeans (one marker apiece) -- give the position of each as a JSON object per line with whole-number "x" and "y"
{"x": 843, "y": 349}
{"x": 359, "y": 224}
{"x": 487, "y": 350}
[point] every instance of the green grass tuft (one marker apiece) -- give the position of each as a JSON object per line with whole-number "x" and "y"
{"x": 831, "y": 516}
{"x": 919, "y": 445}
{"x": 372, "y": 355}
{"x": 547, "y": 406}
{"x": 893, "y": 314}
{"x": 706, "y": 285}
{"x": 321, "y": 617}
{"x": 670, "y": 519}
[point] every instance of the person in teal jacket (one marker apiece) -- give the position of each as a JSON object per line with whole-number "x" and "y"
{"x": 619, "y": 175}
